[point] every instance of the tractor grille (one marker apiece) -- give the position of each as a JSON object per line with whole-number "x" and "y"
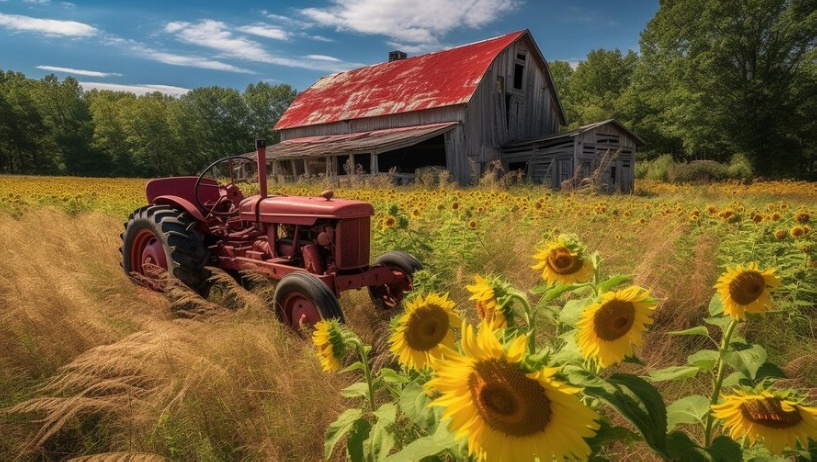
{"x": 353, "y": 243}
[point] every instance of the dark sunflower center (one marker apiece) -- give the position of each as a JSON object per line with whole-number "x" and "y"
{"x": 426, "y": 327}
{"x": 507, "y": 400}
{"x": 747, "y": 287}
{"x": 769, "y": 413}
{"x": 562, "y": 262}
{"x": 614, "y": 319}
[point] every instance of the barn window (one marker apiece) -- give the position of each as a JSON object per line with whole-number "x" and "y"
{"x": 518, "y": 74}
{"x": 613, "y": 175}
{"x": 520, "y": 55}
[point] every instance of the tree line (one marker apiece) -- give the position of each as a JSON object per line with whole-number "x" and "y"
{"x": 49, "y": 126}
{"x": 712, "y": 78}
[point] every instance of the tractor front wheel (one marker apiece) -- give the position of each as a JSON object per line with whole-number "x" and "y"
{"x": 302, "y": 299}
{"x": 390, "y": 296}
{"x": 162, "y": 238}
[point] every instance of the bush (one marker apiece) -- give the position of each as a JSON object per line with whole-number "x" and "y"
{"x": 739, "y": 167}
{"x": 656, "y": 169}
{"x": 698, "y": 171}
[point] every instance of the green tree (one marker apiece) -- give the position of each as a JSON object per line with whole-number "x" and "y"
{"x": 597, "y": 85}
{"x": 265, "y": 104}
{"x": 107, "y": 109}
{"x": 24, "y": 135}
{"x": 211, "y": 122}
{"x": 727, "y": 76}
{"x": 71, "y": 127}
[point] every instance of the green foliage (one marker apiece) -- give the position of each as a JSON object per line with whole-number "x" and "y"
{"x": 48, "y": 126}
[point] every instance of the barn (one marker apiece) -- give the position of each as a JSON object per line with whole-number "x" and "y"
{"x": 460, "y": 109}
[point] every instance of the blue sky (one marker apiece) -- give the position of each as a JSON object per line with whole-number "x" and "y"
{"x": 173, "y": 46}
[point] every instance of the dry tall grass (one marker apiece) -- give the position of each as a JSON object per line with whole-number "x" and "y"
{"x": 95, "y": 367}
{"x": 93, "y": 364}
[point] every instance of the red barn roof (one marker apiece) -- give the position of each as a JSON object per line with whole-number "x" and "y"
{"x": 443, "y": 78}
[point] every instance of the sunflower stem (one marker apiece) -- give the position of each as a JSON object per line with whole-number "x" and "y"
{"x": 716, "y": 390}
{"x": 530, "y": 318}
{"x": 367, "y": 372}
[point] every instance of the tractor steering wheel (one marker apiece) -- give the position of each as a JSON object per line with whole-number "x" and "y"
{"x": 228, "y": 194}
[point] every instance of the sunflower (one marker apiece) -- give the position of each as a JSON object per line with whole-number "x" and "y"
{"x": 422, "y": 330}
{"x": 486, "y": 292}
{"x": 505, "y": 412}
{"x": 608, "y": 327}
{"x": 329, "y": 343}
{"x": 389, "y": 222}
{"x": 771, "y": 415}
{"x": 746, "y": 289}
{"x": 796, "y": 231}
{"x": 781, "y": 234}
{"x": 563, "y": 261}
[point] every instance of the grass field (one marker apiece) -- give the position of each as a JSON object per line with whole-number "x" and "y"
{"x": 92, "y": 364}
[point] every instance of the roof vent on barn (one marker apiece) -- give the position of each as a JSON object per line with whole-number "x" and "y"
{"x": 397, "y": 55}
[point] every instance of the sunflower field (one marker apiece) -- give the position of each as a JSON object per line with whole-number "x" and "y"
{"x": 676, "y": 323}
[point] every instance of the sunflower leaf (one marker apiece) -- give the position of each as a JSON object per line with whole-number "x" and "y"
{"x": 391, "y": 376}
{"x": 605, "y": 286}
{"x": 381, "y": 439}
{"x": 358, "y": 433}
{"x": 681, "y": 447}
{"x": 725, "y": 449}
{"x": 745, "y": 358}
{"x": 673, "y": 373}
{"x": 640, "y": 403}
{"x": 355, "y": 366}
{"x": 687, "y": 410}
{"x": 339, "y": 428}
{"x": 697, "y": 330}
{"x": 716, "y": 305}
{"x": 356, "y": 390}
{"x": 426, "y": 446}
{"x": 704, "y": 359}
{"x": 573, "y": 311}
{"x": 552, "y": 293}
{"x": 414, "y": 402}
{"x": 720, "y": 321}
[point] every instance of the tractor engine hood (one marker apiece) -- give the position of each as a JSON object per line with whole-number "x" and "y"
{"x": 299, "y": 210}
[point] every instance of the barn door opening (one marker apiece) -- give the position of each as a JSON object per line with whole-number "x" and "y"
{"x": 428, "y": 153}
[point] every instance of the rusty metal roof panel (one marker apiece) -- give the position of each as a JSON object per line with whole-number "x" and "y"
{"x": 438, "y": 79}
{"x": 356, "y": 143}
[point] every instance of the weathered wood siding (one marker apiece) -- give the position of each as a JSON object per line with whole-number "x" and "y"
{"x": 499, "y": 113}
{"x": 591, "y": 147}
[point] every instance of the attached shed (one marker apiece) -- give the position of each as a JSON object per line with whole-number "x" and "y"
{"x": 577, "y": 154}
{"x": 453, "y": 108}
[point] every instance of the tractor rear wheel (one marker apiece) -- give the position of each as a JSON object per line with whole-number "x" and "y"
{"x": 161, "y": 238}
{"x": 302, "y": 299}
{"x": 390, "y": 296}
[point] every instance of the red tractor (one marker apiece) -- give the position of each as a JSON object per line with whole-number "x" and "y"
{"x": 316, "y": 247}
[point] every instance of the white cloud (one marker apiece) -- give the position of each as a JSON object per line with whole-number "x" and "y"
{"x": 193, "y": 61}
{"x": 323, "y": 58}
{"x": 422, "y": 24}
{"x": 144, "y": 51}
{"x": 265, "y": 30}
{"x": 216, "y": 35}
{"x": 140, "y": 89}
{"x": 69, "y": 70}
{"x": 41, "y": 2}
{"x": 47, "y": 26}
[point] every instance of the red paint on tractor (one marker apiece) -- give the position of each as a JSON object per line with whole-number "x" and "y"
{"x": 316, "y": 247}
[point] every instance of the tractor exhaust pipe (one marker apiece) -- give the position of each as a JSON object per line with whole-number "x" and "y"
{"x": 261, "y": 151}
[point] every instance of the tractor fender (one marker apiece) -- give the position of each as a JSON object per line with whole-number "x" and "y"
{"x": 188, "y": 206}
